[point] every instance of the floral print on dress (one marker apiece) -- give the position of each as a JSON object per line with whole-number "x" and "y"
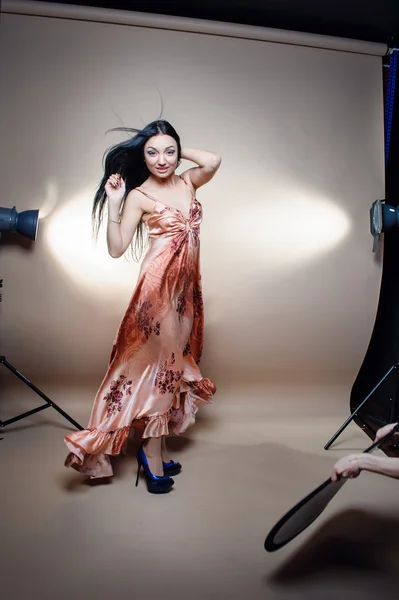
{"x": 145, "y": 321}
{"x": 195, "y": 232}
{"x": 167, "y": 378}
{"x": 198, "y": 301}
{"x": 182, "y": 303}
{"x": 165, "y": 210}
{"x": 118, "y": 389}
{"x": 195, "y": 214}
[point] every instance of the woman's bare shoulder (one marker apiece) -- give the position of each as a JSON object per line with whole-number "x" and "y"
{"x": 137, "y": 199}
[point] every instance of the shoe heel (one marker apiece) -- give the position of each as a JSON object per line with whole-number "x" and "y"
{"x": 139, "y": 465}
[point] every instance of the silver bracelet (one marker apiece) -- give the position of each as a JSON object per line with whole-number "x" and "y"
{"x": 117, "y": 222}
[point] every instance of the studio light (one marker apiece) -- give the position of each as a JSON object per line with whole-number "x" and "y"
{"x": 383, "y": 217}
{"x": 26, "y": 223}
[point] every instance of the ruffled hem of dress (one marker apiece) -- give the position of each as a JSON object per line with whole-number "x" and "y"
{"x": 90, "y": 449}
{"x": 181, "y": 415}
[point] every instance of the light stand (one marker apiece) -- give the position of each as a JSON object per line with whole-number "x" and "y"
{"x": 26, "y": 223}
{"x": 353, "y": 415}
{"x": 49, "y": 403}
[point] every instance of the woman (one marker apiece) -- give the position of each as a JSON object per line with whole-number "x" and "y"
{"x": 351, "y": 465}
{"x": 153, "y": 379}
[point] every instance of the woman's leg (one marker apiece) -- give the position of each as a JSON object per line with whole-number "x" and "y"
{"x": 153, "y": 451}
{"x": 171, "y": 467}
{"x": 164, "y": 450}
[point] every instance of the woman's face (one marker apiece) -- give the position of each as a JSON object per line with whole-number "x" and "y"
{"x": 161, "y": 155}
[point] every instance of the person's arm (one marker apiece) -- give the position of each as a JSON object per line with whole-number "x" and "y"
{"x": 120, "y": 230}
{"x": 208, "y": 163}
{"x": 351, "y": 466}
{"x": 385, "y": 465}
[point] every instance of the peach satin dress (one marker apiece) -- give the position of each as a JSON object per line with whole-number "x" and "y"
{"x": 153, "y": 379}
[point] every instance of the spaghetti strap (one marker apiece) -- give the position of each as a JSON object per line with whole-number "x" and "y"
{"x": 145, "y": 194}
{"x": 185, "y": 182}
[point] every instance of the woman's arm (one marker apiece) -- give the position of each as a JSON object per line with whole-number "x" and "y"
{"x": 120, "y": 231}
{"x": 208, "y": 163}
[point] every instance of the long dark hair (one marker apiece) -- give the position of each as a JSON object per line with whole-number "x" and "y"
{"x": 127, "y": 159}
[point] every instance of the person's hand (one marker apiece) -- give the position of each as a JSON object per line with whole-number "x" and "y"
{"x": 348, "y": 466}
{"x": 384, "y": 431}
{"x": 115, "y": 189}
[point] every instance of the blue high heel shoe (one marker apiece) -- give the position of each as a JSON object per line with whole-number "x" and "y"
{"x": 156, "y": 484}
{"x": 171, "y": 468}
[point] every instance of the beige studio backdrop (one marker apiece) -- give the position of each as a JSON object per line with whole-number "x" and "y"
{"x": 290, "y": 282}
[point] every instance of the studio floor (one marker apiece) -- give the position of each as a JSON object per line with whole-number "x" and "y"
{"x": 63, "y": 538}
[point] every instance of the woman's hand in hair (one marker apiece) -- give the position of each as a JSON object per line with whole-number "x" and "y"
{"x": 208, "y": 164}
{"x": 115, "y": 189}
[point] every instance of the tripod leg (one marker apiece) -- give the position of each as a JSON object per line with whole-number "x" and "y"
{"x": 352, "y": 416}
{"x": 48, "y": 401}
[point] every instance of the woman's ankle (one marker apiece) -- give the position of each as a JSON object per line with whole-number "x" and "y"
{"x": 152, "y": 447}
{"x": 164, "y": 450}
